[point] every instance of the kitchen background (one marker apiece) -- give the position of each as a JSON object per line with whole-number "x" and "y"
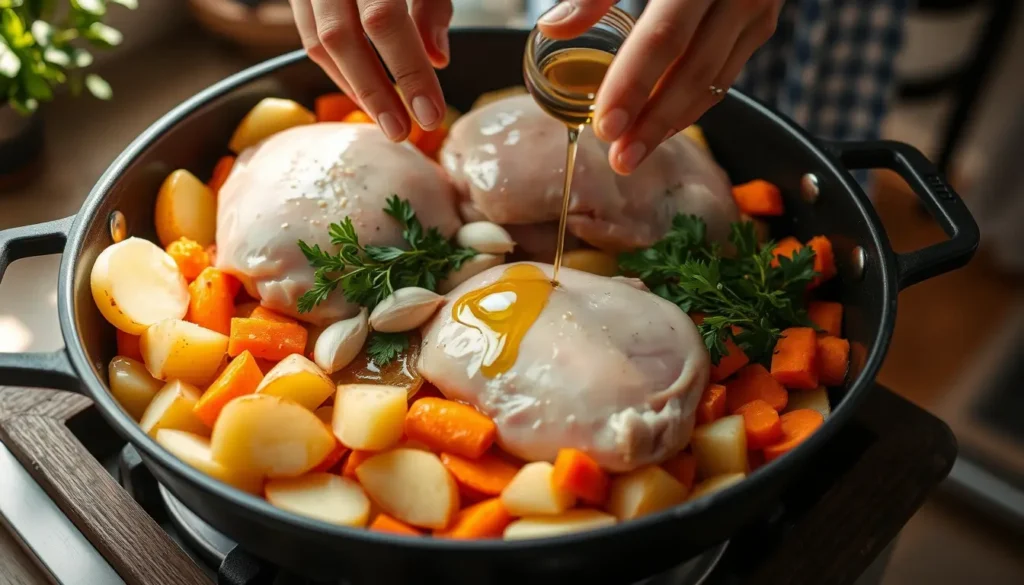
{"x": 956, "y": 335}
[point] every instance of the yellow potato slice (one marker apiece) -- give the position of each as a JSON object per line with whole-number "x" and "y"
{"x": 178, "y": 350}
{"x": 532, "y": 493}
{"x": 195, "y": 451}
{"x": 171, "y": 408}
{"x": 412, "y": 486}
{"x": 369, "y": 417}
{"x": 185, "y": 208}
{"x": 268, "y": 117}
{"x": 323, "y": 496}
{"x": 132, "y": 385}
{"x": 644, "y": 491}
{"x": 299, "y": 380}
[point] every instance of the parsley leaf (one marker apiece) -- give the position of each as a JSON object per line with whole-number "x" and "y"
{"x": 383, "y": 348}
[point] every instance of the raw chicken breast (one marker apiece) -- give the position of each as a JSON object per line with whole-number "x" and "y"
{"x": 291, "y": 186}
{"x": 607, "y": 368}
{"x": 507, "y": 160}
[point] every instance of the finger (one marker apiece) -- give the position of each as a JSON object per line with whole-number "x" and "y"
{"x": 305, "y": 22}
{"x": 571, "y": 18}
{"x": 432, "y": 18}
{"x": 393, "y": 33}
{"x": 340, "y": 32}
{"x": 660, "y": 37}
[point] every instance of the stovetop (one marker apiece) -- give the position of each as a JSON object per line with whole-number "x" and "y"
{"x": 115, "y": 519}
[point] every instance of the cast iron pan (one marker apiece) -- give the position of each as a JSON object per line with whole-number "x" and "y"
{"x": 747, "y": 138}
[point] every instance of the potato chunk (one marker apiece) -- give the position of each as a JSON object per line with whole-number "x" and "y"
{"x": 132, "y": 385}
{"x": 171, "y": 408}
{"x": 369, "y": 417}
{"x": 565, "y": 523}
{"x": 323, "y": 496}
{"x": 721, "y": 446}
{"x": 178, "y": 350}
{"x": 268, "y": 117}
{"x": 195, "y": 451}
{"x": 531, "y": 492}
{"x": 185, "y": 208}
{"x": 299, "y": 380}
{"x": 412, "y": 486}
{"x": 644, "y": 491}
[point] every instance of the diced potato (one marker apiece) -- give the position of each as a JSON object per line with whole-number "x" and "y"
{"x": 532, "y": 493}
{"x": 721, "y": 446}
{"x": 178, "y": 350}
{"x": 564, "y": 523}
{"x": 369, "y": 417}
{"x": 716, "y": 484}
{"x": 185, "y": 208}
{"x": 299, "y": 380}
{"x": 171, "y": 408}
{"x": 131, "y": 385}
{"x": 412, "y": 486}
{"x": 644, "y": 491}
{"x": 592, "y": 261}
{"x": 810, "y": 399}
{"x": 195, "y": 451}
{"x": 696, "y": 134}
{"x": 323, "y": 496}
{"x": 325, "y": 413}
{"x": 270, "y": 436}
{"x": 136, "y": 284}
{"x": 270, "y": 116}
{"x": 497, "y": 95}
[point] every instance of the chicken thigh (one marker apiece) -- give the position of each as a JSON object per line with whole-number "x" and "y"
{"x": 507, "y": 160}
{"x": 291, "y": 186}
{"x": 606, "y": 367}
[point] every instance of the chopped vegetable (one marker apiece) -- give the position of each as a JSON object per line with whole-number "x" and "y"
{"x": 824, "y": 259}
{"x": 568, "y": 522}
{"x": 369, "y": 416}
{"x": 794, "y": 363}
{"x": 332, "y": 459}
{"x": 354, "y": 460}
{"x": 241, "y": 377}
{"x": 185, "y": 208}
{"x": 683, "y": 467}
{"x": 712, "y": 404}
{"x": 212, "y": 300}
{"x": 323, "y": 496}
{"x": 333, "y": 107}
{"x": 826, "y": 316}
{"x": 577, "y": 473}
{"x": 260, "y": 312}
{"x": 833, "y": 359}
{"x": 758, "y": 198}
{"x": 220, "y": 174}
{"x": 171, "y": 408}
{"x": 720, "y": 447}
{"x": 797, "y": 425}
{"x": 487, "y": 475}
{"x": 385, "y": 523}
{"x": 358, "y": 117}
{"x": 812, "y": 399}
{"x": 532, "y": 492}
{"x": 752, "y": 383}
{"x": 412, "y": 486}
{"x": 128, "y": 345}
{"x": 731, "y": 361}
{"x": 266, "y": 339}
{"x": 486, "y": 519}
{"x": 786, "y": 248}
{"x": 761, "y": 423}
{"x": 299, "y": 380}
{"x": 179, "y": 350}
{"x": 132, "y": 385}
{"x": 451, "y": 427}
{"x": 644, "y": 491}
{"x": 190, "y": 257}
{"x": 266, "y": 118}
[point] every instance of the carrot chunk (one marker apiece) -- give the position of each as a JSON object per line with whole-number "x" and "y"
{"x": 355, "y": 459}
{"x": 577, "y": 473}
{"x": 385, "y": 523}
{"x": 190, "y": 257}
{"x": 212, "y": 300}
{"x": 431, "y": 141}
{"x": 761, "y": 423}
{"x": 794, "y": 363}
{"x": 833, "y": 360}
{"x": 220, "y": 174}
{"x": 241, "y": 377}
{"x": 358, "y": 117}
{"x": 487, "y": 475}
{"x": 128, "y": 345}
{"x": 486, "y": 519}
{"x": 752, "y": 383}
{"x": 333, "y": 107}
{"x": 260, "y": 312}
{"x": 332, "y": 459}
{"x": 683, "y": 467}
{"x": 786, "y": 247}
{"x": 797, "y": 425}
{"x": 827, "y": 316}
{"x": 269, "y": 340}
{"x": 730, "y": 363}
{"x": 450, "y": 426}
{"x": 758, "y": 197}
{"x": 824, "y": 259}
{"x": 712, "y": 404}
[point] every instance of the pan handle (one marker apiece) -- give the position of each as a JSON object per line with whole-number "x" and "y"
{"x": 41, "y": 369}
{"x": 938, "y": 197}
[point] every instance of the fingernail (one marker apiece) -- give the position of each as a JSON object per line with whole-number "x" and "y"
{"x": 426, "y": 113}
{"x": 558, "y": 13}
{"x": 613, "y": 124}
{"x": 390, "y": 125}
{"x": 441, "y": 41}
{"x": 632, "y": 155}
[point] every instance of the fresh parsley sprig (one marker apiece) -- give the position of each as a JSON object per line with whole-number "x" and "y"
{"x": 741, "y": 289}
{"x": 383, "y": 348}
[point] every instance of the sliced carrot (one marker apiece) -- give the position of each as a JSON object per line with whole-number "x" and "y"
{"x": 239, "y": 378}
{"x": 333, "y": 107}
{"x": 260, "y": 312}
{"x": 431, "y": 141}
{"x": 752, "y": 383}
{"x": 730, "y": 363}
{"x": 487, "y": 475}
{"x": 833, "y": 360}
{"x": 190, "y": 257}
{"x": 797, "y": 425}
{"x": 220, "y": 174}
{"x": 761, "y": 423}
{"x": 786, "y": 247}
{"x": 577, "y": 473}
{"x": 212, "y": 300}
{"x": 486, "y": 519}
{"x": 332, "y": 459}
{"x": 824, "y": 259}
{"x": 269, "y": 340}
{"x": 827, "y": 316}
{"x": 358, "y": 117}
{"x": 451, "y": 427}
{"x": 712, "y": 404}
{"x": 128, "y": 345}
{"x": 758, "y": 198}
{"x": 683, "y": 467}
{"x": 355, "y": 459}
{"x": 795, "y": 361}
{"x": 385, "y": 523}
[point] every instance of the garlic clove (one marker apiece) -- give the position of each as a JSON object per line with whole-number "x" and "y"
{"x": 341, "y": 342}
{"x": 469, "y": 269}
{"x": 405, "y": 309}
{"x": 485, "y": 237}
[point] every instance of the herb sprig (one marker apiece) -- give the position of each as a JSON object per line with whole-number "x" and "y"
{"x": 383, "y": 348}
{"x": 741, "y": 290}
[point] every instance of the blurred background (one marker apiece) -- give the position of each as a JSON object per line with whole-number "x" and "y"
{"x": 958, "y": 349}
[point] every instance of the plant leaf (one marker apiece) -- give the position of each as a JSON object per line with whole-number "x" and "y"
{"x": 98, "y": 87}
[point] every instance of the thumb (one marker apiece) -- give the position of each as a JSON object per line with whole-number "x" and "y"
{"x": 571, "y": 18}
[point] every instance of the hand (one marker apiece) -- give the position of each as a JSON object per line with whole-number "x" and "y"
{"x": 660, "y": 81}
{"x": 334, "y": 34}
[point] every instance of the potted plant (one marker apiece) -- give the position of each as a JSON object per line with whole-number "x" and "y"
{"x": 45, "y": 44}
